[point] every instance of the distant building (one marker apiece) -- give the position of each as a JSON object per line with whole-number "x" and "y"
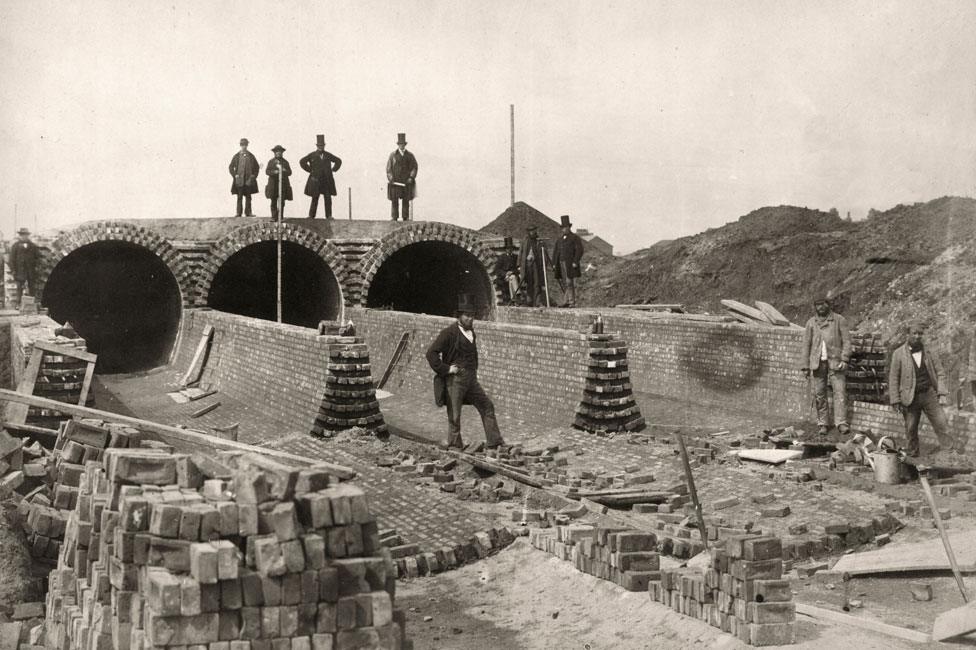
{"x": 600, "y": 245}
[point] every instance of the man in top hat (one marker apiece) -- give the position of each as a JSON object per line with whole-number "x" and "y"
{"x": 320, "y": 164}
{"x": 917, "y": 384}
{"x": 532, "y": 260}
{"x": 507, "y": 273}
{"x": 453, "y": 355}
{"x": 24, "y": 255}
{"x": 244, "y": 169}
{"x": 566, "y": 260}
{"x": 277, "y": 170}
{"x": 401, "y": 176}
{"x": 823, "y": 357}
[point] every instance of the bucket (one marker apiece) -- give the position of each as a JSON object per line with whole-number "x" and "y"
{"x": 888, "y": 469}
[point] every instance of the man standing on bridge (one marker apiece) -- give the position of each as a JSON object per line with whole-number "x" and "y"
{"x": 824, "y": 356}
{"x": 917, "y": 384}
{"x": 278, "y": 171}
{"x": 24, "y": 255}
{"x": 532, "y": 262}
{"x": 401, "y": 176}
{"x": 454, "y": 357}
{"x": 244, "y": 170}
{"x": 320, "y": 164}
{"x": 566, "y": 260}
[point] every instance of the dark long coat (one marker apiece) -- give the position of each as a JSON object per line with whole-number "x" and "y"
{"x": 567, "y": 255}
{"x": 271, "y": 190}
{"x": 244, "y": 169}
{"x": 401, "y": 168}
{"x": 320, "y": 166}
{"x": 23, "y": 260}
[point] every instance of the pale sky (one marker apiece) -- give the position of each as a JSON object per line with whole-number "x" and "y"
{"x": 643, "y": 120}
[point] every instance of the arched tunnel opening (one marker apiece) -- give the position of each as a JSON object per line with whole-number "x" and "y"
{"x": 246, "y": 284}
{"x": 122, "y": 299}
{"x": 426, "y": 277}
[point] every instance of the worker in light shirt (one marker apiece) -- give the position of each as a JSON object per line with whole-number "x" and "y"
{"x": 825, "y": 354}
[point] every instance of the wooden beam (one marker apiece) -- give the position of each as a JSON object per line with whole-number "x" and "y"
{"x": 862, "y": 623}
{"x": 173, "y": 435}
{"x": 193, "y": 373}
{"x": 30, "y": 429}
{"x": 65, "y": 351}
{"x": 17, "y": 413}
{"x": 498, "y": 469}
{"x": 954, "y": 623}
{"x": 86, "y": 386}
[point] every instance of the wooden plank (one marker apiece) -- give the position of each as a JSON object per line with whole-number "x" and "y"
{"x": 85, "y": 387}
{"x": 772, "y": 314}
{"x": 206, "y": 409}
{"x": 862, "y": 623}
{"x": 771, "y": 456}
{"x": 737, "y": 308}
{"x": 193, "y": 373}
{"x": 65, "y": 351}
{"x": 17, "y": 413}
{"x": 673, "y": 308}
{"x": 30, "y": 429}
{"x": 919, "y": 556}
{"x": 955, "y": 623}
{"x": 173, "y": 435}
{"x": 397, "y": 353}
{"x": 631, "y": 499}
{"x": 498, "y": 469}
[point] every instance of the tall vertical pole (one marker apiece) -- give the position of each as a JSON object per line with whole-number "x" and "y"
{"x": 281, "y": 205}
{"x": 512, "y": 121}
{"x": 350, "y": 204}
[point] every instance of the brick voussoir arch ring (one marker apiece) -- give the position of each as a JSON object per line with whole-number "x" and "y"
{"x": 420, "y": 231}
{"x": 255, "y": 233}
{"x": 101, "y": 231}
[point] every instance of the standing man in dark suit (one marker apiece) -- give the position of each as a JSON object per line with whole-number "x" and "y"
{"x": 401, "y": 176}
{"x": 278, "y": 167}
{"x": 454, "y": 356}
{"x": 320, "y": 164}
{"x": 824, "y": 356}
{"x": 917, "y": 384}
{"x": 506, "y": 273}
{"x": 532, "y": 260}
{"x": 566, "y": 260}
{"x": 24, "y": 255}
{"x": 244, "y": 170}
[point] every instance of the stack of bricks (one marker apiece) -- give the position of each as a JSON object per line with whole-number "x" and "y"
{"x": 46, "y": 509}
{"x": 168, "y": 550}
{"x": 59, "y": 378}
{"x": 867, "y": 378}
{"x": 608, "y": 397}
{"x": 350, "y": 396}
{"x": 626, "y": 557}
{"x": 742, "y": 592}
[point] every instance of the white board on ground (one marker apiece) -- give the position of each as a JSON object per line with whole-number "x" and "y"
{"x": 917, "y": 556}
{"x": 771, "y": 456}
{"x": 382, "y": 394}
{"x": 955, "y": 623}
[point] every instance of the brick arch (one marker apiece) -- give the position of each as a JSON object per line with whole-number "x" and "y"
{"x": 255, "y": 233}
{"x": 101, "y": 231}
{"x": 419, "y": 231}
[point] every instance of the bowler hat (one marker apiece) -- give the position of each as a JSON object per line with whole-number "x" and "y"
{"x": 821, "y": 299}
{"x": 278, "y": 148}
{"x": 244, "y": 141}
{"x": 320, "y": 141}
{"x": 401, "y": 138}
{"x": 564, "y": 221}
{"x": 509, "y": 244}
{"x": 466, "y": 304}
{"x": 23, "y": 231}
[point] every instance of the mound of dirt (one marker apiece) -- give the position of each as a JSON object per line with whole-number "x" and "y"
{"x": 514, "y": 221}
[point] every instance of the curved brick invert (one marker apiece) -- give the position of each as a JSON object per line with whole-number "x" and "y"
{"x": 420, "y": 231}
{"x": 255, "y": 233}
{"x": 100, "y": 231}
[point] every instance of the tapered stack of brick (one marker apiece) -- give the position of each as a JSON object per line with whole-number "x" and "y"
{"x": 350, "y": 395}
{"x": 608, "y": 397}
{"x": 743, "y": 592}
{"x": 168, "y": 550}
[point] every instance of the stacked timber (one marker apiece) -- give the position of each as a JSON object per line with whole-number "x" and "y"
{"x": 867, "y": 375}
{"x": 349, "y": 399}
{"x": 608, "y": 397}
{"x": 164, "y": 550}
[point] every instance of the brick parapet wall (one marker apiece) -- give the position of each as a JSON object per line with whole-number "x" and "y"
{"x": 528, "y": 371}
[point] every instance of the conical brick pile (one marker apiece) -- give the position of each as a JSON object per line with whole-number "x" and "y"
{"x": 608, "y": 397}
{"x": 350, "y": 395}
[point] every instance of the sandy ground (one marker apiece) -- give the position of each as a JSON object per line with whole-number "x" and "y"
{"x": 19, "y": 581}
{"x": 523, "y": 598}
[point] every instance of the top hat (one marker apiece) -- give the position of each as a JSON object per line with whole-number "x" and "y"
{"x": 531, "y": 228}
{"x": 23, "y": 231}
{"x": 564, "y": 221}
{"x": 466, "y": 304}
{"x": 278, "y": 148}
{"x": 401, "y": 138}
{"x": 320, "y": 141}
{"x": 509, "y": 245}
{"x": 244, "y": 141}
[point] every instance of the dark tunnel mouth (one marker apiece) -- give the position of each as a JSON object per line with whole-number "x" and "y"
{"x": 122, "y": 299}
{"x": 426, "y": 278}
{"x": 246, "y": 284}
